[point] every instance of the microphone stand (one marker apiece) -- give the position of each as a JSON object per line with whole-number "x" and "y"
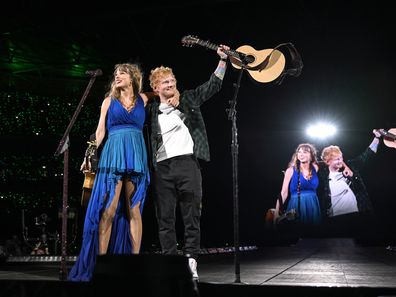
{"x": 234, "y": 152}
{"x": 63, "y": 148}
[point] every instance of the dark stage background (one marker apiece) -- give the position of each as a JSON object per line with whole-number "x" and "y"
{"x": 348, "y": 78}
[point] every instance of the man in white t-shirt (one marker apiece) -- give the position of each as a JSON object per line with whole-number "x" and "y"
{"x": 177, "y": 140}
{"x": 344, "y": 196}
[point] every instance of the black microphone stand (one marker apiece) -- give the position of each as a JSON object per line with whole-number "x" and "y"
{"x": 63, "y": 148}
{"x": 234, "y": 152}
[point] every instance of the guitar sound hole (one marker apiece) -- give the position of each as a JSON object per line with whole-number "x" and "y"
{"x": 250, "y": 59}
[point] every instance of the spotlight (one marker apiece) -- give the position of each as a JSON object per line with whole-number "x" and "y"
{"x": 321, "y": 130}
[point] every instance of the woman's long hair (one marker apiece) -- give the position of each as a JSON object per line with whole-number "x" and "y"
{"x": 296, "y": 163}
{"x": 136, "y": 76}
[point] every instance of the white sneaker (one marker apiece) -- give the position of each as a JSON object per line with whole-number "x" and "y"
{"x": 193, "y": 266}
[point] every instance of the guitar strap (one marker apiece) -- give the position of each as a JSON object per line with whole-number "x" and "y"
{"x": 298, "y": 188}
{"x": 299, "y": 194}
{"x": 296, "y": 63}
{"x": 281, "y": 205}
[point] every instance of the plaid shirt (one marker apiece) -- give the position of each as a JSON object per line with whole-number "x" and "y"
{"x": 190, "y": 102}
{"x": 357, "y": 184}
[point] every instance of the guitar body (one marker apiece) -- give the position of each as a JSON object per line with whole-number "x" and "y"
{"x": 288, "y": 216}
{"x": 269, "y": 217}
{"x": 87, "y": 188}
{"x": 273, "y": 69}
{"x": 390, "y": 139}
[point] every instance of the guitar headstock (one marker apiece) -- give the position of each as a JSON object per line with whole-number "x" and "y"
{"x": 189, "y": 40}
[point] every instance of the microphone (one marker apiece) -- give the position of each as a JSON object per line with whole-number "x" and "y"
{"x": 94, "y": 73}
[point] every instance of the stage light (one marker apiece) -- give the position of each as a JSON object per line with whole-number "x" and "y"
{"x": 321, "y": 130}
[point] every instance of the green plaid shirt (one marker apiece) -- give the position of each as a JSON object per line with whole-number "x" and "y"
{"x": 190, "y": 102}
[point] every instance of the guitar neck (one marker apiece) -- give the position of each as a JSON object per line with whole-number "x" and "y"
{"x": 387, "y": 134}
{"x": 214, "y": 47}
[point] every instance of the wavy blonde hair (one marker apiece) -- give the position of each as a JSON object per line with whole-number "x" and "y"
{"x": 136, "y": 77}
{"x": 159, "y": 73}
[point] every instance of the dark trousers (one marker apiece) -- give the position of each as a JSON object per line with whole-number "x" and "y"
{"x": 178, "y": 181}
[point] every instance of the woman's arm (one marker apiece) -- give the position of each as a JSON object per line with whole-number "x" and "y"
{"x": 149, "y": 96}
{"x": 284, "y": 190}
{"x": 101, "y": 129}
{"x": 99, "y": 134}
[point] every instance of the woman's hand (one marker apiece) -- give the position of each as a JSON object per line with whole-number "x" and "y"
{"x": 347, "y": 171}
{"x": 86, "y": 167}
{"x": 175, "y": 100}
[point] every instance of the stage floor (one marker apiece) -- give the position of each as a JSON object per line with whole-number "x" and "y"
{"x": 309, "y": 262}
{"x": 317, "y": 263}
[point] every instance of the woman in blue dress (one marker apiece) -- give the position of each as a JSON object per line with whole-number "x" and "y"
{"x": 113, "y": 222}
{"x": 301, "y": 180}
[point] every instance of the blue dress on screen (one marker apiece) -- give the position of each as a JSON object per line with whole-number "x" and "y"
{"x": 123, "y": 155}
{"x": 309, "y": 212}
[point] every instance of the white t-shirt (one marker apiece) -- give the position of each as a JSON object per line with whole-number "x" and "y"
{"x": 343, "y": 200}
{"x": 176, "y": 138}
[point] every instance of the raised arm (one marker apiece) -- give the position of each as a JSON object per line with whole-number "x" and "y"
{"x": 222, "y": 66}
{"x": 369, "y": 152}
{"x": 374, "y": 144}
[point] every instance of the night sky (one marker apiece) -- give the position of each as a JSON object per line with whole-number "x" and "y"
{"x": 348, "y": 53}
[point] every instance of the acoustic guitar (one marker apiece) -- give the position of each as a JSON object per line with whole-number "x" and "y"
{"x": 262, "y": 65}
{"x": 270, "y": 220}
{"x": 389, "y": 137}
{"x": 89, "y": 174}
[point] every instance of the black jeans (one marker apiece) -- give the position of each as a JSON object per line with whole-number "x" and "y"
{"x": 178, "y": 180}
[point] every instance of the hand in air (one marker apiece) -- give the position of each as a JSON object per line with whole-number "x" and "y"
{"x": 377, "y": 133}
{"x": 220, "y": 51}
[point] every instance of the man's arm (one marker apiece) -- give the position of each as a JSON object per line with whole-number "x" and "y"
{"x": 374, "y": 144}
{"x": 205, "y": 91}
{"x": 369, "y": 152}
{"x": 222, "y": 66}
{"x": 221, "y": 69}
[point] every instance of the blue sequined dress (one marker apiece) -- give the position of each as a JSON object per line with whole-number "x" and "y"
{"x": 124, "y": 154}
{"x": 309, "y": 212}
